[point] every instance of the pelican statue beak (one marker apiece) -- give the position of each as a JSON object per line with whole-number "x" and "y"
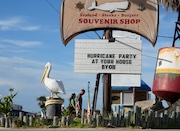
{"x": 44, "y": 74}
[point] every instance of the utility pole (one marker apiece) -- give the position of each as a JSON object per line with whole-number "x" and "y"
{"x": 177, "y": 29}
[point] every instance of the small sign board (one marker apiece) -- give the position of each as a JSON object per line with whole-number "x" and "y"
{"x": 102, "y": 56}
{"x": 126, "y": 80}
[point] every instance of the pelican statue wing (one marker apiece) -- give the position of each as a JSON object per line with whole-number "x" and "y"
{"x": 54, "y": 86}
{"x": 61, "y": 85}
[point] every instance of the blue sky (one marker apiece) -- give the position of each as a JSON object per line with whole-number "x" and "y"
{"x": 30, "y": 37}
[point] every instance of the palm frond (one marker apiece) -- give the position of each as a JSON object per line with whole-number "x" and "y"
{"x": 173, "y": 4}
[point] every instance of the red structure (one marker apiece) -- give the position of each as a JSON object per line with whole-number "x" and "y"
{"x": 167, "y": 76}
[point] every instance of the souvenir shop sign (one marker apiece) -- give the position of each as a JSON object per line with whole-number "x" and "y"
{"x": 138, "y": 16}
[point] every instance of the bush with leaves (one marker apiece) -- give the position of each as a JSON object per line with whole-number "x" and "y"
{"x": 6, "y": 104}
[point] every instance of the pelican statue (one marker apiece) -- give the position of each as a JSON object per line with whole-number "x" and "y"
{"x": 52, "y": 85}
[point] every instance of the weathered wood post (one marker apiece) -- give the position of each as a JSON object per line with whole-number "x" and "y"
{"x": 137, "y": 115}
{"x": 94, "y": 120}
{"x": 172, "y": 118}
{"x": 63, "y": 120}
{"x": 55, "y": 121}
{"x": 71, "y": 119}
{"x": 143, "y": 121}
{"x": 21, "y": 116}
{"x": 89, "y": 119}
{"x": 10, "y": 121}
{"x": 150, "y": 118}
{"x": 110, "y": 119}
{"x": 30, "y": 121}
{"x": 99, "y": 120}
{"x": 82, "y": 116}
{"x": 2, "y": 122}
{"x": 165, "y": 119}
{"x": 118, "y": 116}
{"x": 156, "y": 120}
{"x": 25, "y": 120}
{"x": 102, "y": 112}
{"x": 122, "y": 121}
{"x": 115, "y": 115}
{"x": 161, "y": 120}
{"x": 128, "y": 123}
{"x": 6, "y": 122}
{"x": 178, "y": 116}
{"x": 14, "y": 123}
{"x": 67, "y": 121}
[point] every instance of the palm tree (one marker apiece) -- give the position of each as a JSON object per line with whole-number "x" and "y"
{"x": 42, "y": 100}
{"x": 173, "y": 4}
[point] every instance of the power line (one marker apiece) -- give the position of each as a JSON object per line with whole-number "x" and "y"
{"x": 59, "y": 12}
{"x": 141, "y": 51}
{"x": 165, "y": 36}
{"x": 53, "y": 6}
{"x": 88, "y": 35}
{"x": 98, "y": 35}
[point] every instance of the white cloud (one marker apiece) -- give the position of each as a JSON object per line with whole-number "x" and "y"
{"x": 11, "y": 21}
{"x": 30, "y": 28}
{"x": 16, "y": 23}
{"x": 22, "y": 43}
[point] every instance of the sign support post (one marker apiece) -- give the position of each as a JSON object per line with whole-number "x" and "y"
{"x": 107, "y": 80}
{"x": 95, "y": 93}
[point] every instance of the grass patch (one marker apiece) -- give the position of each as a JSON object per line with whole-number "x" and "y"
{"x": 77, "y": 124}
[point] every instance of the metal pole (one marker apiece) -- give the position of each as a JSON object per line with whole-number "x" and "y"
{"x": 134, "y": 95}
{"x": 95, "y": 94}
{"x": 89, "y": 106}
